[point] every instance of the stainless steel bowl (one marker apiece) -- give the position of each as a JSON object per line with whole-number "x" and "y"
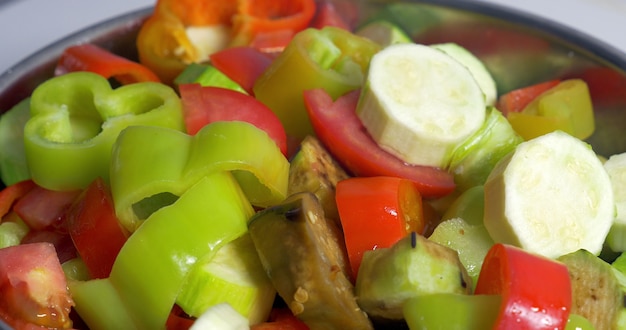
{"x": 519, "y": 49}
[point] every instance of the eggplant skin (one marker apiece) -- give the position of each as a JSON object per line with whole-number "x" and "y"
{"x": 298, "y": 249}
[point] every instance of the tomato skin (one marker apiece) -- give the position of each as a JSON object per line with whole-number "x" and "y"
{"x": 377, "y": 212}
{"x": 340, "y": 130}
{"x": 203, "y": 105}
{"x": 95, "y": 229}
{"x": 43, "y": 208}
{"x": 516, "y": 100}
{"x": 34, "y": 289}
{"x": 244, "y": 65}
{"x": 536, "y": 291}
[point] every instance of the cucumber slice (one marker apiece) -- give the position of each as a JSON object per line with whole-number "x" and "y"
{"x": 616, "y": 167}
{"x": 383, "y": 33}
{"x": 473, "y": 160}
{"x": 419, "y": 103}
{"x": 471, "y": 242}
{"x": 234, "y": 275}
{"x": 550, "y": 196}
{"x": 414, "y": 266}
{"x": 221, "y": 316}
{"x": 475, "y": 66}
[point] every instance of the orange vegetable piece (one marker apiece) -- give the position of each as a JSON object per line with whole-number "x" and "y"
{"x": 262, "y": 16}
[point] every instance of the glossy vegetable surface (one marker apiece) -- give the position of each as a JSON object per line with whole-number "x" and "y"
{"x": 506, "y": 52}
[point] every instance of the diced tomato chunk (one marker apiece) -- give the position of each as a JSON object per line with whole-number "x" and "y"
{"x": 95, "y": 229}
{"x": 34, "y": 288}
{"x": 42, "y": 208}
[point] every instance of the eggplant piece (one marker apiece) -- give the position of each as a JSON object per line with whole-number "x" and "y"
{"x": 297, "y": 248}
{"x": 313, "y": 169}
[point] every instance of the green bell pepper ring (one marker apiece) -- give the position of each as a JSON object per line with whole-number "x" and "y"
{"x": 150, "y": 269}
{"x": 331, "y": 58}
{"x": 76, "y": 118}
{"x": 151, "y": 163}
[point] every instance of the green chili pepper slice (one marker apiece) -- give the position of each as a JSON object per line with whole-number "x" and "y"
{"x": 76, "y": 118}
{"x": 150, "y": 163}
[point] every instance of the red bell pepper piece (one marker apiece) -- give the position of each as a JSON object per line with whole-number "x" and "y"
{"x": 340, "y": 130}
{"x": 260, "y": 16}
{"x": 203, "y": 105}
{"x": 89, "y": 57}
{"x": 95, "y": 229}
{"x": 377, "y": 212}
{"x": 516, "y": 100}
{"x": 34, "y": 288}
{"x": 9, "y": 195}
{"x": 272, "y": 43}
{"x": 536, "y": 291}
{"x": 244, "y": 65}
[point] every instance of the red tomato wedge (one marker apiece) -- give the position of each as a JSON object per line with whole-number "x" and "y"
{"x": 34, "y": 288}
{"x": 95, "y": 230}
{"x": 536, "y": 291}
{"x": 9, "y": 195}
{"x": 92, "y": 58}
{"x": 376, "y": 212}
{"x": 340, "y": 130}
{"x": 203, "y": 105}
{"x": 516, "y": 100}
{"x": 244, "y": 65}
{"x": 43, "y": 208}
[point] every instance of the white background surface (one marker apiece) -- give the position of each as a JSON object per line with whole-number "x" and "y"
{"x": 28, "y": 25}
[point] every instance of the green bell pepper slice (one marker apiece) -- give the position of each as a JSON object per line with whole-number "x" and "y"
{"x": 13, "y": 166}
{"x": 149, "y": 272}
{"x": 153, "y": 165}
{"x": 331, "y": 58}
{"x": 76, "y": 118}
{"x": 452, "y": 311}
